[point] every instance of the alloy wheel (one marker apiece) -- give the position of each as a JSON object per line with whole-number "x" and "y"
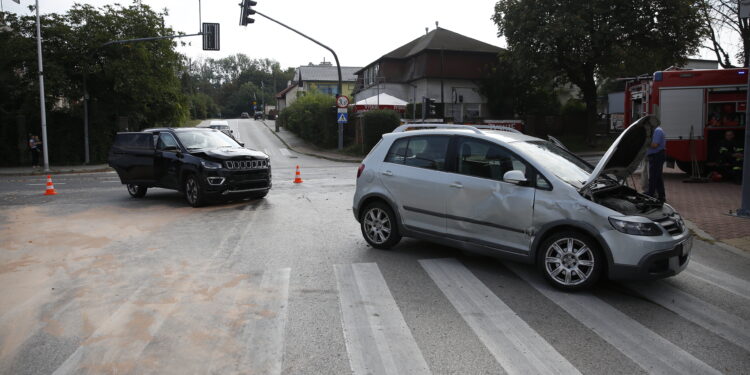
{"x": 377, "y": 225}
{"x": 191, "y": 190}
{"x": 569, "y": 261}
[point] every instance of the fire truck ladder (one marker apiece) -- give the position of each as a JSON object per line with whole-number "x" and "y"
{"x": 695, "y": 170}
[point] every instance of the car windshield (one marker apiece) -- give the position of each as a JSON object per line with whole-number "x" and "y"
{"x": 197, "y": 139}
{"x": 558, "y": 161}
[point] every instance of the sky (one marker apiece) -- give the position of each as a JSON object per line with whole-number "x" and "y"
{"x": 359, "y": 31}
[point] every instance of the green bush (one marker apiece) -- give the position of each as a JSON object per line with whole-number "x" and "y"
{"x": 313, "y": 118}
{"x": 377, "y": 123}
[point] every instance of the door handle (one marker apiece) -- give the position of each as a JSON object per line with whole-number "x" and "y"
{"x": 387, "y": 173}
{"x": 456, "y": 185}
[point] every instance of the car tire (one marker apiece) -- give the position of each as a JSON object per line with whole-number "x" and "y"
{"x": 570, "y": 260}
{"x": 379, "y": 226}
{"x": 193, "y": 191}
{"x": 136, "y": 191}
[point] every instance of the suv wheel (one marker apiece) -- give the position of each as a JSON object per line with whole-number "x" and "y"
{"x": 570, "y": 261}
{"x": 379, "y": 226}
{"x": 193, "y": 191}
{"x": 137, "y": 191}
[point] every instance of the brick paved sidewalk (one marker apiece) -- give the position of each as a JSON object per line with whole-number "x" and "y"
{"x": 707, "y": 205}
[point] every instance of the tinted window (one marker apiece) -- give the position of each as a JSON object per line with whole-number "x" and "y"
{"x": 421, "y": 151}
{"x": 397, "y": 153}
{"x": 486, "y": 160}
{"x": 166, "y": 140}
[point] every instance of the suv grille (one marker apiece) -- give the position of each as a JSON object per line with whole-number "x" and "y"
{"x": 246, "y": 164}
{"x": 671, "y": 224}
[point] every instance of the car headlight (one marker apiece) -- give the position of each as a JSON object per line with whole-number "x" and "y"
{"x": 210, "y": 164}
{"x": 635, "y": 228}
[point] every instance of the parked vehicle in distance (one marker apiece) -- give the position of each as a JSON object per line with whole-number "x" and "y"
{"x": 204, "y": 164}
{"x": 245, "y": 115}
{"x": 507, "y": 194}
{"x": 258, "y": 115}
{"x": 222, "y": 126}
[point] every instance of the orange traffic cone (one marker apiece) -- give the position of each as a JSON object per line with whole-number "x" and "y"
{"x": 50, "y": 187}
{"x": 297, "y": 178}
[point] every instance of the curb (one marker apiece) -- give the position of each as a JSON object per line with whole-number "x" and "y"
{"x": 703, "y": 235}
{"x": 57, "y": 171}
{"x": 308, "y": 153}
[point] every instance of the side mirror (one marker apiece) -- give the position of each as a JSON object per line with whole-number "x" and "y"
{"x": 241, "y": 144}
{"x": 514, "y": 177}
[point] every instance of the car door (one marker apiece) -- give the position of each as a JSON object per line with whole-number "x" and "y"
{"x": 132, "y": 156}
{"x": 480, "y": 206}
{"x": 168, "y": 161}
{"x": 414, "y": 172}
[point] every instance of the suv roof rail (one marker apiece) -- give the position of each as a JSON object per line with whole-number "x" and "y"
{"x": 475, "y": 128}
{"x": 406, "y": 127}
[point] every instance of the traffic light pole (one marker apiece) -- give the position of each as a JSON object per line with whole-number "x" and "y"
{"x": 338, "y": 67}
{"x": 42, "y": 104}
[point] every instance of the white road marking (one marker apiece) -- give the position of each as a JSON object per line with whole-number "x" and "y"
{"x": 719, "y": 279}
{"x": 284, "y": 151}
{"x": 513, "y": 343}
{"x": 652, "y": 352}
{"x": 710, "y": 317}
{"x": 377, "y": 338}
{"x": 54, "y": 183}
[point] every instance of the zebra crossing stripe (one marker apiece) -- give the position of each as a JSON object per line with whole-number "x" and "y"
{"x": 514, "y": 344}
{"x": 643, "y": 346}
{"x": 377, "y": 338}
{"x": 710, "y": 317}
{"x": 719, "y": 279}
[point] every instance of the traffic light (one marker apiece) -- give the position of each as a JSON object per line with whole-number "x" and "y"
{"x": 247, "y": 11}
{"x": 429, "y": 108}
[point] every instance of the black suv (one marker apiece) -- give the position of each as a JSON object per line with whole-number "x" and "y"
{"x": 202, "y": 163}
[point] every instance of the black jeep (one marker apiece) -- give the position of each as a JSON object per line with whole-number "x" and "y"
{"x": 202, "y": 163}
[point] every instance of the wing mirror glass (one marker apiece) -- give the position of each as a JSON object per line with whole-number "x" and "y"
{"x": 514, "y": 177}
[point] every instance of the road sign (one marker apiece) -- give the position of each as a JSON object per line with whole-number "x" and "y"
{"x": 342, "y": 101}
{"x": 343, "y": 118}
{"x": 343, "y": 110}
{"x": 211, "y": 36}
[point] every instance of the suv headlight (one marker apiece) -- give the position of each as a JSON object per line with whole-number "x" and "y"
{"x": 634, "y": 227}
{"x": 210, "y": 164}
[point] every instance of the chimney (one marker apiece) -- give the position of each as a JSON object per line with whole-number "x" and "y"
{"x": 436, "y": 25}
{"x": 426, "y": 30}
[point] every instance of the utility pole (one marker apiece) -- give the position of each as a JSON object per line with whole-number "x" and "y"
{"x": 744, "y": 210}
{"x": 42, "y": 103}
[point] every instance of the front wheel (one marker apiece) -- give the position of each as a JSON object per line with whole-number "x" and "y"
{"x": 193, "y": 191}
{"x": 571, "y": 261}
{"x": 379, "y": 226}
{"x": 137, "y": 191}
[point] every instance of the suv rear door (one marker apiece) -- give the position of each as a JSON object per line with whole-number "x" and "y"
{"x": 480, "y": 206}
{"x": 132, "y": 156}
{"x": 414, "y": 173}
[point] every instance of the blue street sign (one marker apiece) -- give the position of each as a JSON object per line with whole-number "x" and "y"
{"x": 343, "y": 118}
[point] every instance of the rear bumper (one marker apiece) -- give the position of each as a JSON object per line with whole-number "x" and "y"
{"x": 657, "y": 264}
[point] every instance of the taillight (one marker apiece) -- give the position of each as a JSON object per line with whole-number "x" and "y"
{"x": 359, "y": 171}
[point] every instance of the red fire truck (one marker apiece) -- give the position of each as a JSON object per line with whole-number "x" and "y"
{"x": 704, "y": 103}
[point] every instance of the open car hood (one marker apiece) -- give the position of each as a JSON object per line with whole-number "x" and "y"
{"x": 627, "y": 151}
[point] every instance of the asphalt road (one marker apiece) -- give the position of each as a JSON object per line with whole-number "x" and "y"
{"x": 93, "y": 281}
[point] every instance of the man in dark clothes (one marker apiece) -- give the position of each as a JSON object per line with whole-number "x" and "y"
{"x": 731, "y": 155}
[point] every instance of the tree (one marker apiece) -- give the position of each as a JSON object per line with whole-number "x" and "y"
{"x": 584, "y": 41}
{"x": 722, "y": 17}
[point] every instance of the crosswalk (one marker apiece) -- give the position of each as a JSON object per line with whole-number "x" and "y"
{"x": 250, "y": 313}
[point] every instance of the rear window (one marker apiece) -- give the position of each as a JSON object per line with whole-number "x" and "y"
{"x": 135, "y": 140}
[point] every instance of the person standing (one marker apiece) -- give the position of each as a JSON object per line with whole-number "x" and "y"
{"x": 656, "y": 157}
{"x": 34, "y": 148}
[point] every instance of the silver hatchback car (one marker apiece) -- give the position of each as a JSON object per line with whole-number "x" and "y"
{"x": 504, "y": 193}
